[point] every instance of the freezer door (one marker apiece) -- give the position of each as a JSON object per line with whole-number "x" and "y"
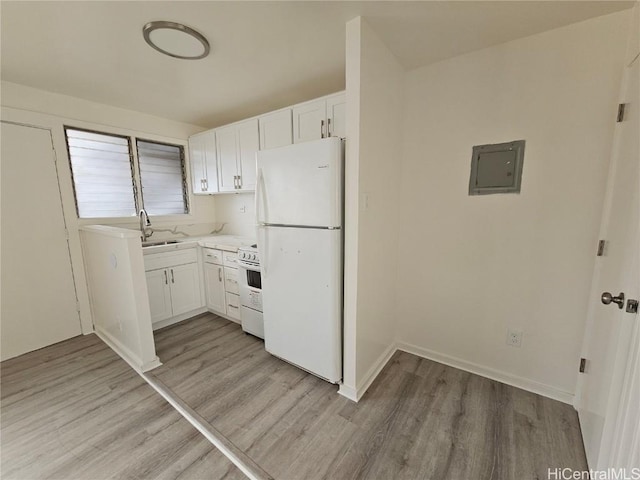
{"x": 302, "y": 297}
{"x": 301, "y": 184}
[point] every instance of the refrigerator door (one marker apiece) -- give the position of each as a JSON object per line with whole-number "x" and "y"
{"x": 301, "y": 184}
{"x": 302, "y": 297}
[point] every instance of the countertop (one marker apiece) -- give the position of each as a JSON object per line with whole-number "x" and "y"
{"x": 229, "y": 243}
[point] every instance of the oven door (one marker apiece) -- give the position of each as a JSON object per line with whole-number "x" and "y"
{"x": 250, "y": 287}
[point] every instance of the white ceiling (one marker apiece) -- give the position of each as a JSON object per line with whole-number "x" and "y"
{"x": 264, "y": 55}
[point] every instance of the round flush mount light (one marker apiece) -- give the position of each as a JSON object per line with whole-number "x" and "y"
{"x": 176, "y": 40}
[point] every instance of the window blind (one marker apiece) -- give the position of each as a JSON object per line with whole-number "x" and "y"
{"x": 162, "y": 178}
{"x": 101, "y": 168}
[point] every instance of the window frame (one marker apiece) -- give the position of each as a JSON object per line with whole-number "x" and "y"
{"x": 176, "y": 219}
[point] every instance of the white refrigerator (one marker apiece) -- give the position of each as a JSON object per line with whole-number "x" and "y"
{"x": 299, "y": 221}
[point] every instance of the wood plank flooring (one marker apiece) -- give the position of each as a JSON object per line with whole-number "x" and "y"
{"x": 419, "y": 420}
{"x": 75, "y": 410}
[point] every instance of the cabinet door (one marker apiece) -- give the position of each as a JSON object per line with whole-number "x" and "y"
{"x": 210, "y": 164}
{"x": 159, "y": 294}
{"x": 276, "y": 129}
{"x": 197, "y": 160}
{"x": 214, "y": 286}
{"x": 248, "y": 144}
{"x": 309, "y": 121}
{"x": 185, "y": 288}
{"x": 336, "y": 116}
{"x": 227, "y": 148}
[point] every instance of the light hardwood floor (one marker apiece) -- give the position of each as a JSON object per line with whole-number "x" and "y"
{"x": 419, "y": 419}
{"x": 75, "y": 410}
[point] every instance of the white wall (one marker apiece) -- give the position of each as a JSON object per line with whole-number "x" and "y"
{"x": 374, "y": 126}
{"x": 238, "y": 212}
{"x": 473, "y": 266}
{"x": 53, "y": 111}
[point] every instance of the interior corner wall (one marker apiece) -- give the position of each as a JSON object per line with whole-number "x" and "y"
{"x": 486, "y": 264}
{"x": 373, "y": 159}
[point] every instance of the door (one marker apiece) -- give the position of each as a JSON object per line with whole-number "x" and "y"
{"x": 301, "y": 184}
{"x": 38, "y": 294}
{"x": 185, "y": 288}
{"x": 214, "y": 283}
{"x": 226, "y": 145}
{"x": 159, "y": 294}
{"x": 276, "y": 130}
{"x": 248, "y": 145}
{"x": 302, "y": 297}
{"x": 336, "y": 116}
{"x": 609, "y": 388}
{"x": 309, "y": 121}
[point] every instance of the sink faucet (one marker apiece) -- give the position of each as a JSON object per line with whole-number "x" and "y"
{"x": 144, "y": 223}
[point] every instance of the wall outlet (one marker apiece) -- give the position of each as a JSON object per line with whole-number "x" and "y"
{"x": 243, "y": 209}
{"x": 514, "y": 338}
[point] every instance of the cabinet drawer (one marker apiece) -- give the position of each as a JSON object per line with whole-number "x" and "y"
{"x": 230, "y": 259}
{"x": 211, "y": 255}
{"x": 231, "y": 280}
{"x": 170, "y": 259}
{"x": 233, "y": 306}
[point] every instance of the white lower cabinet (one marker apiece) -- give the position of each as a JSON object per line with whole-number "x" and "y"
{"x": 233, "y": 306}
{"x": 172, "y": 285}
{"x": 159, "y": 295}
{"x": 185, "y": 288}
{"x": 221, "y": 282}
{"x": 214, "y": 282}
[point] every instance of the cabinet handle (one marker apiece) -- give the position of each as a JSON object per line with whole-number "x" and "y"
{"x": 233, "y": 306}
{"x": 201, "y": 185}
{"x": 239, "y": 181}
{"x": 206, "y": 184}
{"x": 172, "y": 279}
{"x": 321, "y": 128}
{"x": 219, "y": 274}
{"x": 166, "y": 280}
{"x": 328, "y": 127}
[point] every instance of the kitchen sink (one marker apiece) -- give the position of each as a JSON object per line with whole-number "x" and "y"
{"x": 158, "y": 243}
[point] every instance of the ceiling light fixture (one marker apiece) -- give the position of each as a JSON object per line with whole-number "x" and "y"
{"x": 176, "y": 40}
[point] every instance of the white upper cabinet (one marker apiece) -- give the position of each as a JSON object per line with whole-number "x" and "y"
{"x": 202, "y": 155}
{"x": 319, "y": 119}
{"x": 248, "y": 145}
{"x": 227, "y": 145}
{"x": 309, "y": 121}
{"x": 276, "y": 129}
{"x": 224, "y": 159}
{"x": 336, "y": 116}
{"x": 237, "y": 146}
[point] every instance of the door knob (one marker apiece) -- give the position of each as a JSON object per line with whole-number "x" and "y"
{"x": 607, "y": 298}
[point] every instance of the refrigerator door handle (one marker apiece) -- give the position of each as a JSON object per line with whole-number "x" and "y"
{"x": 262, "y": 241}
{"x": 259, "y": 197}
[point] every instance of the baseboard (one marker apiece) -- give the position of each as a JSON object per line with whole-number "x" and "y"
{"x": 500, "y": 376}
{"x": 355, "y": 394}
{"x": 124, "y": 353}
{"x": 348, "y": 392}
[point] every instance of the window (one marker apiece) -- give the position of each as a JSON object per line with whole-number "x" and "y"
{"x": 110, "y": 181}
{"x": 162, "y": 178}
